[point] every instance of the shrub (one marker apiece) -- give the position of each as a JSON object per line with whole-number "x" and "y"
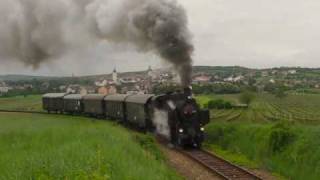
{"x": 246, "y": 97}
{"x": 280, "y": 137}
{"x": 227, "y": 105}
{"x": 280, "y": 93}
{"x": 219, "y": 104}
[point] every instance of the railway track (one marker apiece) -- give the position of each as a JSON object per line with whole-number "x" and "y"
{"x": 219, "y": 166}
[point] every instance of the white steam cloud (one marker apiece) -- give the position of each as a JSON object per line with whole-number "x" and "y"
{"x": 161, "y": 121}
{"x": 35, "y": 31}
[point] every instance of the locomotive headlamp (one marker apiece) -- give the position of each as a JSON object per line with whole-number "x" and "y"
{"x": 180, "y": 130}
{"x": 202, "y": 129}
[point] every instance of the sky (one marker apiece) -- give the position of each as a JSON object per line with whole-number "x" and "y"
{"x": 250, "y": 33}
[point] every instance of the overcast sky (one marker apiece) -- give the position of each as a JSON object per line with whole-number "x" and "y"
{"x": 251, "y": 33}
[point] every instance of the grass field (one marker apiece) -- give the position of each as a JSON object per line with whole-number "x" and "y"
{"x": 266, "y": 108}
{"x": 21, "y": 103}
{"x": 37, "y": 146}
{"x": 280, "y": 135}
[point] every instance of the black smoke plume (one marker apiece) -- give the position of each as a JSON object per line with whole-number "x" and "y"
{"x": 36, "y": 31}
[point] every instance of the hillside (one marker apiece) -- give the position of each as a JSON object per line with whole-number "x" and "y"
{"x": 14, "y": 77}
{"x": 223, "y": 71}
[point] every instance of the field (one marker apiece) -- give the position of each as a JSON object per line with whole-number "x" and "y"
{"x": 267, "y": 108}
{"x": 279, "y": 135}
{"x": 35, "y": 146}
{"x": 21, "y": 103}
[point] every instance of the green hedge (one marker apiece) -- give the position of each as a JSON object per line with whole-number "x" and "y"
{"x": 219, "y": 104}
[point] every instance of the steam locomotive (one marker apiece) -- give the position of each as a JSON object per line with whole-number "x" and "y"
{"x": 174, "y": 116}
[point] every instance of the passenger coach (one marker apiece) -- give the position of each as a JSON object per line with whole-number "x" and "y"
{"x": 53, "y": 102}
{"x": 94, "y": 105}
{"x": 138, "y": 110}
{"x": 115, "y": 107}
{"x": 72, "y": 104}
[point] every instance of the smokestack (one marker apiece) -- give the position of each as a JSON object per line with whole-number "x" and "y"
{"x": 35, "y": 31}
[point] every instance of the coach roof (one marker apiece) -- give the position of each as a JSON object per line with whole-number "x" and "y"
{"x": 93, "y": 97}
{"x": 116, "y": 97}
{"x": 73, "y": 96}
{"x": 54, "y": 95}
{"x": 140, "y": 98}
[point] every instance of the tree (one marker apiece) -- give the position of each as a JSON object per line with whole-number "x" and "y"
{"x": 247, "y": 97}
{"x": 221, "y": 88}
{"x": 280, "y": 93}
{"x": 165, "y": 88}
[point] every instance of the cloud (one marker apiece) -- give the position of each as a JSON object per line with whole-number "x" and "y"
{"x": 255, "y": 33}
{"x": 252, "y": 33}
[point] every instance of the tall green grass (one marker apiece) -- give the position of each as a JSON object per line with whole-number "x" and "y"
{"x": 65, "y": 147}
{"x": 291, "y": 150}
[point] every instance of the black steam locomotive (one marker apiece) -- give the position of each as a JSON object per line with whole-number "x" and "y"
{"x": 175, "y": 116}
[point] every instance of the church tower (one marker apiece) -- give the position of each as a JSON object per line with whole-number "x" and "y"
{"x": 150, "y": 72}
{"x": 115, "y": 75}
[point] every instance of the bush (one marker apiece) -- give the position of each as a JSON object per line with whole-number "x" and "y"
{"x": 280, "y": 137}
{"x": 279, "y": 93}
{"x": 165, "y": 88}
{"x": 246, "y": 97}
{"x": 219, "y": 104}
{"x": 228, "y": 105}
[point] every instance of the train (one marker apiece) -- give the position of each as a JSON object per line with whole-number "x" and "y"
{"x": 176, "y": 116}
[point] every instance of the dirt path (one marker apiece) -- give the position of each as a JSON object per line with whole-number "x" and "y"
{"x": 186, "y": 167}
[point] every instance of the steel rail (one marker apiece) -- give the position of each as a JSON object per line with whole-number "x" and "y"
{"x": 223, "y": 168}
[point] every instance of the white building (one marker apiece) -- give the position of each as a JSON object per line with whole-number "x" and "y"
{"x": 4, "y": 90}
{"x": 101, "y": 83}
{"x": 234, "y": 79}
{"x": 115, "y": 76}
{"x": 238, "y": 78}
{"x": 292, "y": 71}
{"x": 229, "y": 79}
